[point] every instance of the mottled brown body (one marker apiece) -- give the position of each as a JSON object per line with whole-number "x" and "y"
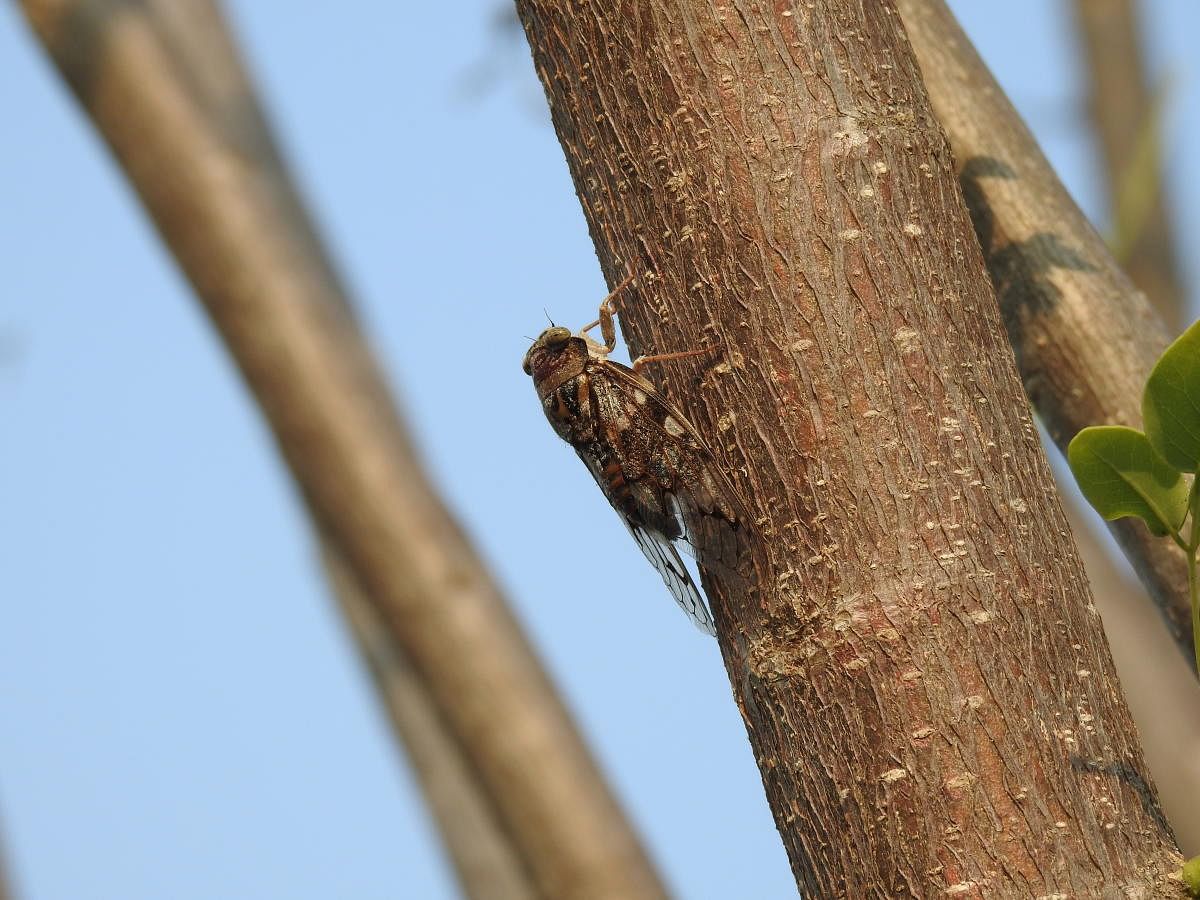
{"x": 651, "y": 464}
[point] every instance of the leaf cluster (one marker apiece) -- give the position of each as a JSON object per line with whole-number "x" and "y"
{"x": 1151, "y": 474}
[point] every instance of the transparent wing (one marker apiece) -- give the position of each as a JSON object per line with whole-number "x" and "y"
{"x": 664, "y": 557}
{"x": 700, "y": 527}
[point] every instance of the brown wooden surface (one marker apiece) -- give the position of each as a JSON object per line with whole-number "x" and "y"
{"x": 1159, "y": 684}
{"x": 908, "y": 633}
{"x": 187, "y": 131}
{"x": 1085, "y": 338}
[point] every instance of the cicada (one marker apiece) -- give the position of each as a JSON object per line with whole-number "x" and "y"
{"x": 655, "y": 470}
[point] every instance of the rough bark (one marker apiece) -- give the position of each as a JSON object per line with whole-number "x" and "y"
{"x": 908, "y": 630}
{"x": 1158, "y": 684}
{"x": 1122, "y": 111}
{"x": 1085, "y": 338}
{"x": 185, "y": 127}
{"x": 1026, "y": 219}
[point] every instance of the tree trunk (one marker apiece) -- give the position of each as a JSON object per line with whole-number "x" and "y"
{"x": 907, "y": 629}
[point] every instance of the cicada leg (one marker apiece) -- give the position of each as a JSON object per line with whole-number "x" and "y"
{"x": 664, "y": 357}
{"x": 608, "y": 309}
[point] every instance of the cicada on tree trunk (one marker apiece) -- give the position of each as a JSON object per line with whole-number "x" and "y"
{"x": 654, "y": 468}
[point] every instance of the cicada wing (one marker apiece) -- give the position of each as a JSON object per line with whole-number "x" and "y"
{"x": 700, "y": 528}
{"x": 666, "y": 559}
{"x": 683, "y": 462}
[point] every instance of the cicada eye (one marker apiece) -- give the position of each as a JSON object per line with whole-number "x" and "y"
{"x": 553, "y": 339}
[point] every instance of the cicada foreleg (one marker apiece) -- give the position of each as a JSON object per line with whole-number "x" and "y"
{"x": 608, "y": 331}
{"x": 608, "y": 309}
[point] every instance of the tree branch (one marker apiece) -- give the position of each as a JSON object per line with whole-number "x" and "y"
{"x": 486, "y": 861}
{"x": 197, "y": 151}
{"x": 1127, "y": 123}
{"x": 6, "y": 889}
{"x": 1163, "y": 695}
{"x": 1085, "y": 338}
{"x": 905, "y": 623}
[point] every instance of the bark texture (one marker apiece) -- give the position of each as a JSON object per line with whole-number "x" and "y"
{"x": 1123, "y": 113}
{"x": 1158, "y": 684}
{"x": 1085, "y": 337}
{"x": 168, "y": 94}
{"x": 908, "y": 631}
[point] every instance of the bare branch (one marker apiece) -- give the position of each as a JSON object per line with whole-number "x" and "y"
{"x": 486, "y": 862}
{"x": 6, "y": 892}
{"x": 1163, "y": 695}
{"x": 1128, "y": 120}
{"x": 188, "y": 133}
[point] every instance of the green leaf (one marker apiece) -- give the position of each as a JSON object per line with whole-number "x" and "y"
{"x": 1191, "y": 875}
{"x": 1121, "y": 475}
{"x": 1171, "y": 404}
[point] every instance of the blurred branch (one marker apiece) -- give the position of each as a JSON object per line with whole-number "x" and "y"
{"x": 163, "y": 85}
{"x": 1127, "y": 117}
{"x": 6, "y": 892}
{"x": 1084, "y": 337}
{"x": 485, "y": 861}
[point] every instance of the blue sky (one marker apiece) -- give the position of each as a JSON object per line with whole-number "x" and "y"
{"x": 181, "y": 711}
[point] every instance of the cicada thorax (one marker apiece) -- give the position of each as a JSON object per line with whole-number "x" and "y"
{"x": 570, "y": 410}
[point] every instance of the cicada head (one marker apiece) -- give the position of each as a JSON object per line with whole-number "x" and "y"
{"x": 555, "y": 357}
